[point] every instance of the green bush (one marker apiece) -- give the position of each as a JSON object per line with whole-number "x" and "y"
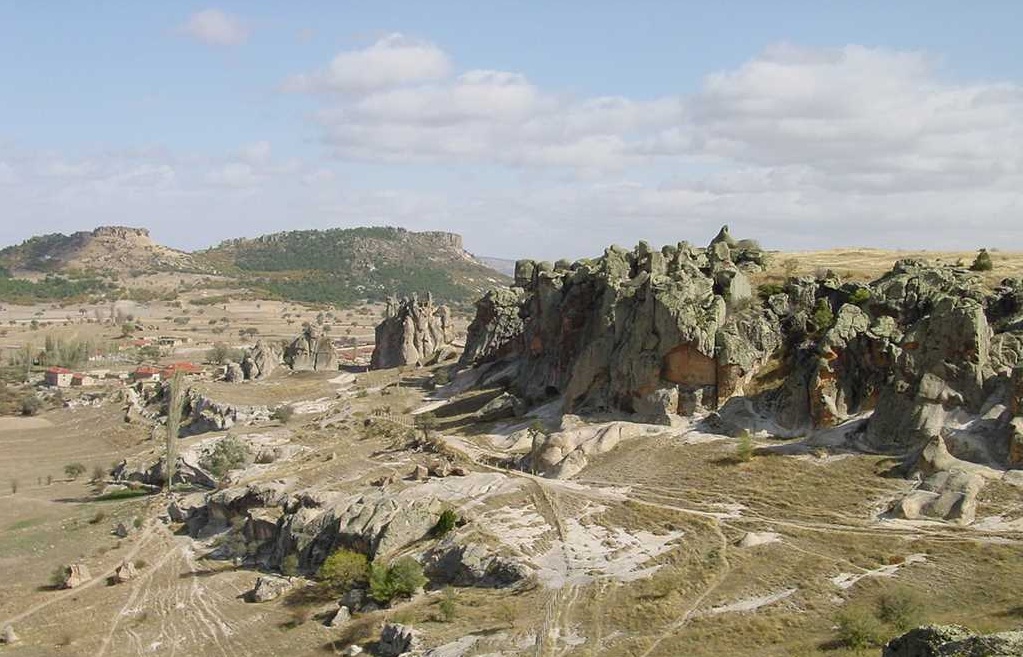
{"x": 858, "y": 628}
{"x": 744, "y": 450}
{"x": 860, "y": 296}
{"x": 229, "y": 453}
{"x": 983, "y": 261}
{"x": 401, "y": 578}
{"x": 74, "y": 470}
{"x": 31, "y": 405}
{"x": 448, "y": 605}
{"x": 901, "y": 608}
{"x": 823, "y": 317}
{"x": 447, "y": 521}
{"x": 767, "y": 290}
{"x": 344, "y": 569}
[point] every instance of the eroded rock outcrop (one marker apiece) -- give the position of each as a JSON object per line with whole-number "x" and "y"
{"x": 954, "y": 641}
{"x": 925, "y": 351}
{"x": 633, "y": 330}
{"x": 413, "y": 332}
{"x": 310, "y": 352}
{"x": 261, "y": 361}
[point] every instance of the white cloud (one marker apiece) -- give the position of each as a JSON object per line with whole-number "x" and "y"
{"x": 392, "y": 60}
{"x": 216, "y": 28}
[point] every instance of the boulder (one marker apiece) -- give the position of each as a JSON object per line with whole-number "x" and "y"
{"x": 269, "y": 587}
{"x": 233, "y": 372}
{"x": 420, "y": 473}
{"x": 352, "y": 651}
{"x": 75, "y": 575}
{"x": 954, "y": 641}
{"x": 261, "y": 361}
{"x": 413, "y": 332}
{"x": 397, "y": 639}
{"x": 125, "y": 572}
{"x": 7, "y": 636}
{"x": 122, "y": 530}
{"x": 310, "y": 352}
{"x": 340, "y": 617}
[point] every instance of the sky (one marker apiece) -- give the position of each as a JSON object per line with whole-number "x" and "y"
{"x": 534, "y": 129}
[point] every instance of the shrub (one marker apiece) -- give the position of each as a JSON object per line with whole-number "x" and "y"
{"x": 901, "y": 608}
{"x": 74, "y": 470}
{"x": 858, "y": 628}
{"x": 744, "y": 450}
{"x": 98, "y": 473}
{"x": 860, "y": 296}
{"x": 447, "y": 521}
{"x": 58, "y": 576}
{"x": 229, "y": 453}
{"x": 344, "y": 569}
{"x": 290, "y": 565}
{"x": 823, "y": 317}
{"x": 983, "y": 261}
{"x": 402, "y": 578}
{"x": 283, "y": 413}
{"x": 448, "y": 606}
{"x": 767, "y": 290}
{"x": 31, "y": 405}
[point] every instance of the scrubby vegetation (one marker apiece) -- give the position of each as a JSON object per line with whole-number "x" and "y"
{"x": 50, "y": 288}
{"x": 229, "y": 453}
{"x": 344, "y": 569}
{"x": 401, "y": 578}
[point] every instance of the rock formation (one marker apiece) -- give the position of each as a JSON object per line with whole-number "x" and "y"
{"x": 923, "y": 352}
{"x": 633, "y": 330}
{"x": 954, "y": 641}
{"x": 75, "y": 575}
{"x": 310, "y": 352}
{"x": 262, "y": 360}
{"x": 412, "y": 332}
{"x": 398, "y": 640}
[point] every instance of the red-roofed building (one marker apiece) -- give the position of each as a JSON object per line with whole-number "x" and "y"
{"x": 78, "y": 379}
{"x": 145, "y": 373}
{"x": 186, "y": 369}
{"x": 58, "y": 377}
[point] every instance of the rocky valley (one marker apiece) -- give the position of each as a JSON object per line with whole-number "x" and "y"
{"x": 685, "y": 450}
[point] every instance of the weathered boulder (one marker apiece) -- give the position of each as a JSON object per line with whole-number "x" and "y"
{"x": 125, "y": 572}
{"x": 954, "y": 641}
{"x": 396, "y": 639}
{"x": 8, "y": 636}
{"x": 310, "y": 352}
{"x": 340, "y": 617}
{"x": 75, "y": 575}
{"x": 233, "y": 372}
{"x": 261, "y": 361}
{"x": 269, "y": 587}
{"x": 413, "y": 332}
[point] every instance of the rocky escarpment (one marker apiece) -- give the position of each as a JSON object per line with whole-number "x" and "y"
{"x": 923, "y": 352}
{"x": 633, "y": 330}
{"x": 273, "y": 520}
{"x": 413, "y": 332}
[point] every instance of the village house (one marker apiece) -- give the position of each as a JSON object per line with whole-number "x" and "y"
{"x": 81, "y": 380}
{"x": 146, "y": 373}
{"x": 58, "y": 377}
{"x": 185, "y": 368}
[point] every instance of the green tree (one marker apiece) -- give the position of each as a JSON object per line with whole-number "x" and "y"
{"x": 902, "y": 608}
{"x": 858, "y": 628}
{"x": 74, "y": 470}
{"x": 823, "y": 317}
{"x": 344, "y": 569}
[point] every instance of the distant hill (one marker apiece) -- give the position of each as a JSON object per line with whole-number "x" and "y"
{"x": 104, "y": 251}
{"x": 342, "y": 265}
{"x": 335, "y": 266}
